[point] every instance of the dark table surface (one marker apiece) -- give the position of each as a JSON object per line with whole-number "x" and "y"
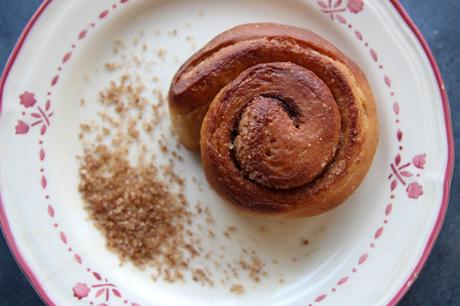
{"x": 439, "y": 283}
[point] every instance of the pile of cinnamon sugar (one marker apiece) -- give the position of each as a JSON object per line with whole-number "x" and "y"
{"x": 136, "y": 211}
{"x": 139, "y": 206}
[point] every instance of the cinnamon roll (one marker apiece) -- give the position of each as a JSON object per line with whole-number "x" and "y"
{"x": 286, "y": 123}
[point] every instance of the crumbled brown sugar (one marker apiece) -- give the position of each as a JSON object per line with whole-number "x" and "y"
{"x": 254, "y": 266}
{"x": 131, "y": 214}
{"x": 177, "y": 156}
{"x": 230, "y": 230}
{"x": 172, "y": 176}
{"x": 85, "y": 127}
{"x": 143, "y": 220}
{"x": 161, "y": 53}
{"x": 237, "y": 288}
{"x": 201, "y": 276}
{"x": 111, "y": 66}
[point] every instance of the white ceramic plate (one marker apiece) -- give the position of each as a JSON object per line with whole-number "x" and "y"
{"x": 366, "y": 252}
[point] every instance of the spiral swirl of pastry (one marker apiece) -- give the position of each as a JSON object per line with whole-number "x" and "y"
{"x": 288, "y": 123}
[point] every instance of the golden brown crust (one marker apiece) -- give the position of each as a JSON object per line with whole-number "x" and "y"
{"x": 292, "y": 127}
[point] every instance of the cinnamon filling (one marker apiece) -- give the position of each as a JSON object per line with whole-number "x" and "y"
{"x": 275, "y": 127}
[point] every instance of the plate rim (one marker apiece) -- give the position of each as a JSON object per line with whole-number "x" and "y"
{"x": 4, "y": 222}
{"x": 450, "y": 154}
{"x": 420, "y": 263}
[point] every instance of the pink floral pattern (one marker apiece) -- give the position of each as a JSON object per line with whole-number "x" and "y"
{"x": 414, "y": 190}
{"x": 22, "y": 127}
{"x": 419, "y": 161}
{"x": 336, "y": 8}
{"x": 27, "y": 99}
{"x": 38, "y": 116}
{"x": 36, "y": 113}
{"x": 402, "y": 172}
{"x": 80, "y": 291}
{"x": 355, "y": 6}
{"x": 101, "y": 290}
